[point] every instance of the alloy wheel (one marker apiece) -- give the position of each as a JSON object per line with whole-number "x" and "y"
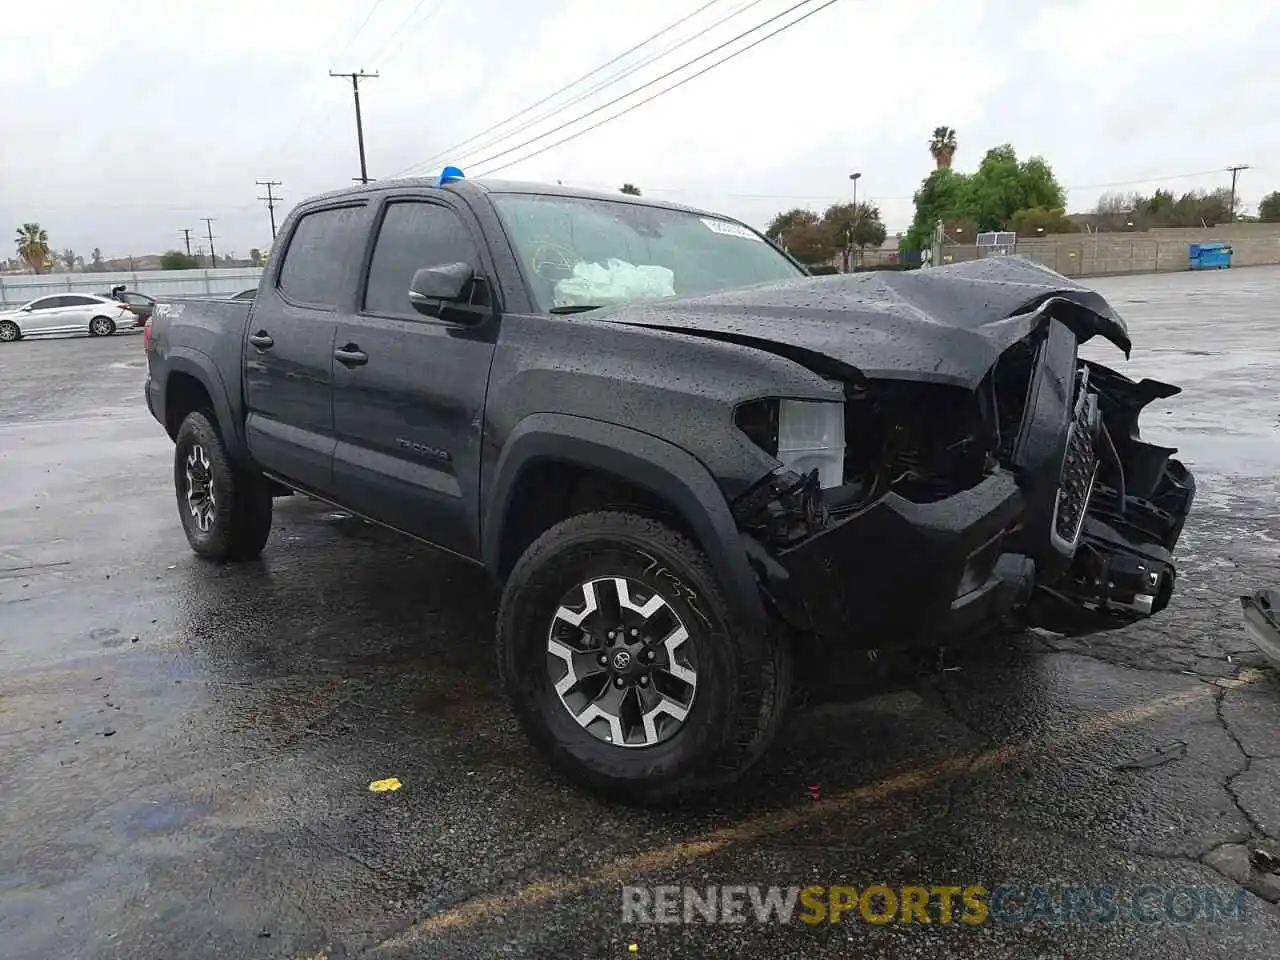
{"x": 200, "y": 496}
{"x": 619, "y": 659}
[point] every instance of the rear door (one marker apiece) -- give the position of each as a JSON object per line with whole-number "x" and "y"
{"x": 288, "y": 350}
{"x": 79, "y": 310}
{"x": 409, "y": 390}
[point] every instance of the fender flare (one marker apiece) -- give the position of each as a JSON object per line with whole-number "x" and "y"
{"x": 638, "y": 458}
{"x": 201, "y": 367}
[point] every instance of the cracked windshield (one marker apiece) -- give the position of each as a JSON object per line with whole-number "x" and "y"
{"x": 617, "y": 480}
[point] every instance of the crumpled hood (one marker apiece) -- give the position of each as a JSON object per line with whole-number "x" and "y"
{"x": 944, "y": 325}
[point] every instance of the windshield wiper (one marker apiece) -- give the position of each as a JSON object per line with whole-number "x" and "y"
{"x": 576, "y": 308}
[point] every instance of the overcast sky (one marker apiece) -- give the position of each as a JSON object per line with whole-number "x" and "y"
{"x": 125, "y": 122}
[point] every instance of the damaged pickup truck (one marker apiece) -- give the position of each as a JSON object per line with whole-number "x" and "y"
{"x": 686, "y": 461}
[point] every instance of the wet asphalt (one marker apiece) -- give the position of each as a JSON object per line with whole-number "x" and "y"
{"x": 186, "y": 750}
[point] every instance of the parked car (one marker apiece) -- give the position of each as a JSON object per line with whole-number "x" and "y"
{"x": 686, "y": 461}
{"x": 139, "y": 304}
{"x": 66, "y": 313}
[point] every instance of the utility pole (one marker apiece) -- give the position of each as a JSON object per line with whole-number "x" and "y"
{"x": 271, "y": 202}
{"x": 213, "y": 256}
{"x": 1235, "y": 172}
{"x": 186, "y": 236}
{"x": 356, "y": 77}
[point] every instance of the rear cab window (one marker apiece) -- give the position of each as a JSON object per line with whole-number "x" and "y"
{"x": 322, "y": 256}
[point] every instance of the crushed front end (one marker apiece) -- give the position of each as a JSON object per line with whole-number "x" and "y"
{"x": 1027, "y": 500}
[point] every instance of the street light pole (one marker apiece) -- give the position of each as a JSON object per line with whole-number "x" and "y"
{"x": 854, "y": 223}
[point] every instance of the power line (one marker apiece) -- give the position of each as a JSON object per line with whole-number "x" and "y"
{"x": 581, "y": 96}
{"x": 360, "y": 29}
{"x": 400, "y": 34}
{"x": 643, "y": 86}
{"x": 665, "y": 90}
{"x": 356, "y": 77}
{"x": 272, "y": 200}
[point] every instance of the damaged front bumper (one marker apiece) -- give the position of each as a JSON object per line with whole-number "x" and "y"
{"x": 1073, "y": 531}
{"x": 900, "y": 573}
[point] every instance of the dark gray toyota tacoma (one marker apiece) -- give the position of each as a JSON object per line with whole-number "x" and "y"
{"x": 687, "y": 462}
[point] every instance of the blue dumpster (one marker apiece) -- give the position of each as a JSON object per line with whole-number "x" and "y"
{"x": 1214, "y": 255}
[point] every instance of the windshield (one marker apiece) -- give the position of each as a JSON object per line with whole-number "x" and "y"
{"x": 581, "y": 252}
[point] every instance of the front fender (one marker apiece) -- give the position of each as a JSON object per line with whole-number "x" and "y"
{"x": 637, "y": 458}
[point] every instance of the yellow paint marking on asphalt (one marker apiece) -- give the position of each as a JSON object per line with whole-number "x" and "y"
{"x": 627, "y": 868}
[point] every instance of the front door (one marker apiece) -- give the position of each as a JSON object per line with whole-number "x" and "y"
{"x": 288, "y": 349}
{"x": 408, "y": 390}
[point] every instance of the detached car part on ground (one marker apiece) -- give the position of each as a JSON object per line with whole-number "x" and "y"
{"x": 1262, "y": 622}
{"x": 682, "y": 496}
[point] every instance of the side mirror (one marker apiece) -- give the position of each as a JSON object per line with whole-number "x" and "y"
{"x": 27, "y": 308}
{"x": 434, "y": 287}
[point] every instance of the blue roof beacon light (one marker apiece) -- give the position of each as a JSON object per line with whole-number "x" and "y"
{"x": 450, "y": 174}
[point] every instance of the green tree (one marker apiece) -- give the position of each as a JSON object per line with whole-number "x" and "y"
{"x": 96, "y": 261}
{"x": 631, "y": 189}
{"x": 1040, "y": 221}
{"x": 942, "y": 196}
{"x": 69, "y": 259}
{"x": 943, "y": 147}
{"x": 177, "y": 260}
{"x": 33, "y": 247}
{"x": 255, "y": 256}
{"x": 854, "y": 228}
{"x": 1269, "y": 208}
{"x": 1002, "y": 185}
{"x": 804, "y": 235}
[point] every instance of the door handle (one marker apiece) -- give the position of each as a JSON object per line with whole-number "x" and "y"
{"x": 262, "y": 340}
{"x": 351, "y": 356}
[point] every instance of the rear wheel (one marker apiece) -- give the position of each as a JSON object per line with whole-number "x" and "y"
{"x": 626, "y": 667}
{"x": 9, "y": 331}
{"x": 101, "y": 327}
{"x": 225, "y": 510}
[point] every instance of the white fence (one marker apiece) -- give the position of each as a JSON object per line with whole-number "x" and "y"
{"x": 17, "y": 289}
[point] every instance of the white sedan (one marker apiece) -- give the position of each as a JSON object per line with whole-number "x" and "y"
{"x": 67, "y": 313}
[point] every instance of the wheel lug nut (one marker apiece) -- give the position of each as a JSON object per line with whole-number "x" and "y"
{"x": 602, "y": 659}
{"x": 648, "y": 654}
{"x": 617, "y": 681}
{"x": 644, "y": 681}
{"x": 635, "y": 632}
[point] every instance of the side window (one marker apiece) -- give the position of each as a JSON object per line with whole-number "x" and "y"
{"x": 73, "y": 301}
{"x": 321, "y": 254}
{"x": 51, "y": 303}
{"x": 413, "y": 235}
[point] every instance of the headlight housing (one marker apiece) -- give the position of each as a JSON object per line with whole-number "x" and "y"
{"x": 802, "y": 434}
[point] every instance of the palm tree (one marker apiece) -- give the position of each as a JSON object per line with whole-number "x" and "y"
{"x": 943, "y": 146}
{"x": 33, "y": 246}
{"x": 70, "y": 259}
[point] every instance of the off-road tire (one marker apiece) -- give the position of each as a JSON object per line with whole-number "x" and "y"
{"x": 241, "y": 517}
{"x": 744, "y": 679}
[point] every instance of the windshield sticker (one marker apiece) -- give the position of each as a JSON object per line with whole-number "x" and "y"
{"x": 725, "y": 228}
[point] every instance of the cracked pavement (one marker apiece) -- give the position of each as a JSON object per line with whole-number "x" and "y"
{"x": 228, "y": 811}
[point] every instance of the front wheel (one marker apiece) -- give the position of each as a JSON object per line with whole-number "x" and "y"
{"x": 9, "y": 331}
{"x": 627, "y": 668}
{"x": 101, "y": 327}
{"x": 225, "y": 510}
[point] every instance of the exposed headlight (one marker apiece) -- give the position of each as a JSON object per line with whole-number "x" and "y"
{"x": 802, "y": 434}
